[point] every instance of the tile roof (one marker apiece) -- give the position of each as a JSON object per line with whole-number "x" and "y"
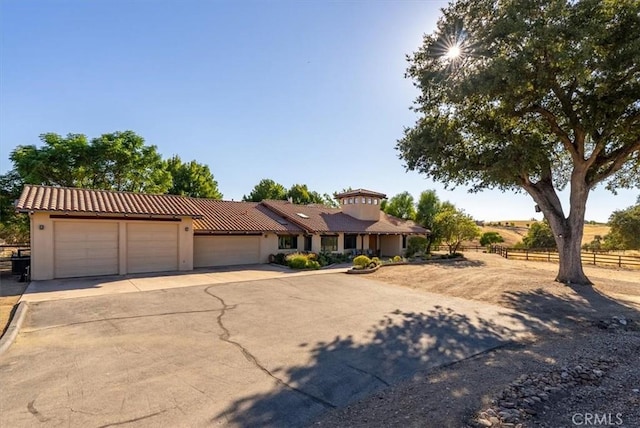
{"x": 361, "y": 192}
{"x": 243, "y": 217}
{"x": 211, "y": 215}
{"x": 324, "y": 219}
{"x": 78, "y": 201}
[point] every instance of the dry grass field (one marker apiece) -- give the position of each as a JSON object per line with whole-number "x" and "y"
{"x": 514, "y": 234}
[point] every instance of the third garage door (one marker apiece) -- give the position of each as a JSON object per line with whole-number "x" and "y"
{"x": 225, "y": 250}
{"x": 152, "y": 247}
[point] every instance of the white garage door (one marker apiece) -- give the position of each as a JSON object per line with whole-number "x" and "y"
{"x": 85, "y": 248}
{"x": 225, "y": 250}
{"x": 152, "y": 247}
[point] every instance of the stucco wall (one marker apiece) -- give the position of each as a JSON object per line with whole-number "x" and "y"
{"x": 42, "y": 244}
{"x": 391, "y": 245}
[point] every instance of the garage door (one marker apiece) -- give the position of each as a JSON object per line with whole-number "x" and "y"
{"x": 225, "y": 250}
{"x": 85, "y": 249}
{"x": 152, "y": 247}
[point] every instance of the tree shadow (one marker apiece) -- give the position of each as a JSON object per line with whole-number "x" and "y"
{"x": 404, "y": 344}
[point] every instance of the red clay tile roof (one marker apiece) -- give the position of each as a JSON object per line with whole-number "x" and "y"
{"x": 211, "y": 215}
{"x": 360, "y": 192}
{"x": 239, "y": 217}
{"x": 72, "y": 200}
{"x": 324, "y": 219}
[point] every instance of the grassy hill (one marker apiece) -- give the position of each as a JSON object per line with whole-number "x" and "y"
{"x": 514, "y": 234}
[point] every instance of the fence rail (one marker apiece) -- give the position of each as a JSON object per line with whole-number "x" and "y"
{"x": 602, "y": 259}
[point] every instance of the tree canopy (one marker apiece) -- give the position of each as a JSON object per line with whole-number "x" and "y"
{"x": 119, "y": 161}
{"x": 625, "y": 229}
{"x": 541, "y": 95}
{"x": 191, "y": 179}
{"x": 454, "y": 227}
{"x": 402, "y": 206}
{"x": 298, "y": 194}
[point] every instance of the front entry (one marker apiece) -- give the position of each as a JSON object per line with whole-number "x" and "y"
{"x": 373, "y": 244}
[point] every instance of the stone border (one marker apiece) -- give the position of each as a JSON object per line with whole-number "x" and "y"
{"x": 353, "y": 271}
{"x": 14, "y": 326}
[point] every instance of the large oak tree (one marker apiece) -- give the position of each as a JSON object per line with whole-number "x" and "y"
{"x": 531, "y": 95}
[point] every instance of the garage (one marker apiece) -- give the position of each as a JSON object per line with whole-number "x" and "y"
{"x": 225, "y": 250}
{"x": 152, "y": 247}
{"x": 85, "y": 248}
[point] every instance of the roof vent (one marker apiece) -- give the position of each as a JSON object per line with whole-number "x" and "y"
{"x": 282, "y": 221}
{"x": 302, "y": 215}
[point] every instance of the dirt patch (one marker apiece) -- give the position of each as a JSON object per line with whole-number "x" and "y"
{"x": 581, "y": 363}
{"x": 10, "y": 292}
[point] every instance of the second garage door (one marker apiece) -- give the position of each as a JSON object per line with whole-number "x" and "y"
{"x": 152, "y": 247}
{"x": 225, "y": 250}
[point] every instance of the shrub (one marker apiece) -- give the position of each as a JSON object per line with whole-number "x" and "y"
{"x": 489, "y": 238}
{"x": 297, "y": 261}
{"x": 280, "y": 259}
{"x": 397, "y": 259}
{"x": 377, "y": 261}
{"x": 416, "y": 244}
{"x": 361, "y": 261}
{"x": 302, "y": 261}
{"x": 312, "y": 264}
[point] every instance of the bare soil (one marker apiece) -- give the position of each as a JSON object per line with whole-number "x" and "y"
{"x": 574, "y": 327}
{"x": 10, "y": 292}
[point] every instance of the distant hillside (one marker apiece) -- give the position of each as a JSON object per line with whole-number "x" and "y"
{"x": 514, "y": 234}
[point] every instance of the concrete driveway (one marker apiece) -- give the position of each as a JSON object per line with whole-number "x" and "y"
{"x": 274, "y": 352}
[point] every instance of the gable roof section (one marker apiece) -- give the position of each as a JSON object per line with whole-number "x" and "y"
{"x": 322, "y": 219}
{"x": 91, "y": 201}
{"x": 238, "y": 217}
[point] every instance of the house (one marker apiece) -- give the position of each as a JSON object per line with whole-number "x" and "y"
{"x": 83, "y": 232}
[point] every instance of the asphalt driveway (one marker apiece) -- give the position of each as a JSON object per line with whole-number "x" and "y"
{"x": 275, "y": 352}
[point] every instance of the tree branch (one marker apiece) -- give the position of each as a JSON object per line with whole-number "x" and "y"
{"x": 617, "y": 158}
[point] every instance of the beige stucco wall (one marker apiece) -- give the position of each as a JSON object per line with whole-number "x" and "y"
{"x": 362, "y": 211}
{"x": 391, "y": 245}
{"x": 42, "y": 244}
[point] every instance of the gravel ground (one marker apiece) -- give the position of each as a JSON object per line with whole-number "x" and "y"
{"x": 584, "y": 370}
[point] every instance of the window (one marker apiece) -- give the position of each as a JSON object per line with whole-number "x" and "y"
{"x": 350, "y": 200}
{"x": 369, "y": 201}
{"x": 404, "y": 241}
{"x": 287, "y": 242}
{"x": 307, "y": 243}
{"x": 350, "y": 242}
{"x": 364, "y": 200}
{"x": 328, "y": 243}
{"x": 375, "y": 202}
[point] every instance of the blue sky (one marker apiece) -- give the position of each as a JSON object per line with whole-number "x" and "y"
{"x": 308, "y": 92}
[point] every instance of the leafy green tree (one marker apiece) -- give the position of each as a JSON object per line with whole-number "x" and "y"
{"x": 122, "y": 162}
{"x": 532, "y": 96}
{"x": 401, "y": 206}
{"x": 14, "y": 228}
{"x": 266, "y": 189}
{"x": 454, "y": 227}
{"x": 427, "y": 208}
{"x": 191, "y": 179}
{"x": 117, "y": 161}
{"x": 489, "y": 238}
{"x": 625, "y": 229}
{"x": 300, "y": 194}
{"x": 539, "y": 235}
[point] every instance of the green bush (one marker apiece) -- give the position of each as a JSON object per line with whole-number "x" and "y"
{"x": 297, "y": 261}
{"x": 312, "y": 264}
{"x": 377, "y": 261}
{"x": 415, "y": 245}
{"x": 361, "y": 261}
{"x": 302, "y": 261}
{"x": 397, "y": 259}
{"x": 280, "y": 259}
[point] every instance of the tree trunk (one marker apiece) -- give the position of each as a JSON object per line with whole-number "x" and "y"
{"x": 567, "y": 231}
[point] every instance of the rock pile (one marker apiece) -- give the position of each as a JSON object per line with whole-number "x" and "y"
{"x": 618, "y": 323}
{"x": 526, "y": 396}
